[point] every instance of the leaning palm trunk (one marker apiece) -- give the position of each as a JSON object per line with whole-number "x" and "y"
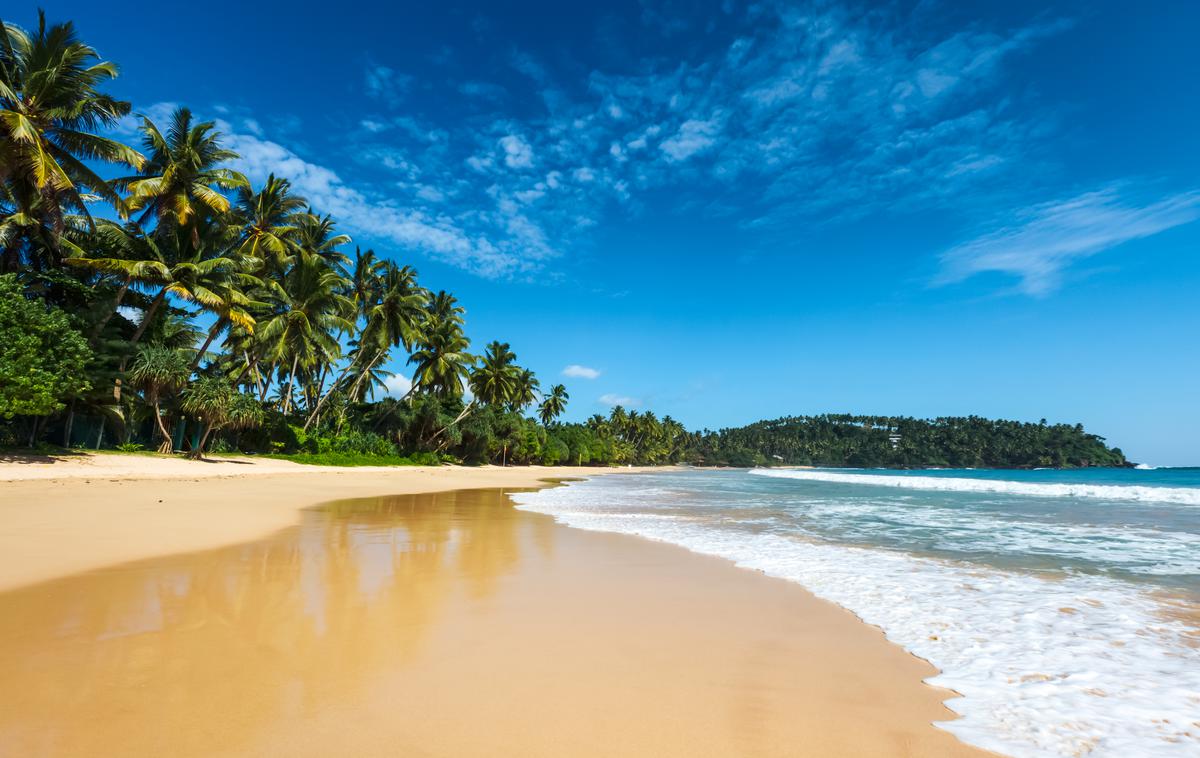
{"x": 433, "y": 438}
{"x": 287, "y": 398}
{"x": 315, "y": 412}
{"x": 147, "y": 317}
{"x": 366, "y": 372}
{"x": 212, "y": 335}
{"x": 166, "y": 447}
{"x": 116, "y": 306}
{"x": 197, "y": 452}
{"x": 137, "y": 336}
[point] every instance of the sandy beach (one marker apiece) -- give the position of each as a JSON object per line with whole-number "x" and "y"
{"x": 145, "y": 613}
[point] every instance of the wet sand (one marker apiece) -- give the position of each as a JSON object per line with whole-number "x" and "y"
{"x": 63, "y": 516}
{"x": 448, "y": 625}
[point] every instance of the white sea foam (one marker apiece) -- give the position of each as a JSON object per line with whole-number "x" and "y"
{"x": 1180, "y": 495}
{"x": 1114, "y": 546}
{"x": 1079, "y": 665}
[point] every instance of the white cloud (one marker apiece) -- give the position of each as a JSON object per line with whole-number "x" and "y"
{"x": 622, "y": 400}
{"x": 1046, "y": 239}
{"x": 397, "y": 385}
{"x": 438, "y": 235}
{"x": 517, "y": 152}
{"x": 694, "y": 136}
{"x": 576, "y": 371}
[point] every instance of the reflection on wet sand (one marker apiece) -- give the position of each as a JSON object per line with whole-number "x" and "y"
{"x": 138, "y": 659}
{"x": 448, "y": 625}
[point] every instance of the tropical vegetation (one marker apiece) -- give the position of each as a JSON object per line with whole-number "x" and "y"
{"x": 899, "y": 441}
{"x": 181, "y": 307}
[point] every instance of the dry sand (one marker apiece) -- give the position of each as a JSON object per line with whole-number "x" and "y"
{"x": 418, "y": 625}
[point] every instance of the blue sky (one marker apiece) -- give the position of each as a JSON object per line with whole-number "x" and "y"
{"x": 727, "y": 212}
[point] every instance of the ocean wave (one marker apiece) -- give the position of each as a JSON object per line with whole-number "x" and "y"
{"x": 1069, "y": 666}
{"x": 1177, "y": 495}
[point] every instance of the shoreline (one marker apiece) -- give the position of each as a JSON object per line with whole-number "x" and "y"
{"x": 836, "y": 676}
{"x": 81, "y": 514}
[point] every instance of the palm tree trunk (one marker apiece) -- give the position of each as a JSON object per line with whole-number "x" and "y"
{"x": 147, "y": 317}
{"x": 166, "y": 444}
{"x": 366, "y": 372}
{"x": 321, "y": 403}
{"x": 250, "y": 364}
{"x": 266, "y": 383}
{"x": 212, "y": 335}
{"x": 197, "y": 452}
{"x": 116, "y": 306}
{"x": 287, "y": 398}
{"x": 442, "y": 431}
{"x": 137, "y": 335}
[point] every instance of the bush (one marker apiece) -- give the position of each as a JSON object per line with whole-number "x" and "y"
{"x": 42, "y": 358}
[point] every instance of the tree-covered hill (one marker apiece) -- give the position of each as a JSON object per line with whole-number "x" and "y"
{"x": 847, "y": 440}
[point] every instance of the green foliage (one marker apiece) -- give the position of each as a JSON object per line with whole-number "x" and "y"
{"x": 899, "y": 441}
{"x": 359, "y": 459}
{"x": 42, "y": 358}
{"x": 130, "y": 447}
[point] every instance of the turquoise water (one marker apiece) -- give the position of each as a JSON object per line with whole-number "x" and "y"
{"x": 1138, "y": 525}
{"x": 1061, "y": 605}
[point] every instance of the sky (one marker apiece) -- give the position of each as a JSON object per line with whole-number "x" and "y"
{"x": 726, "y": 212}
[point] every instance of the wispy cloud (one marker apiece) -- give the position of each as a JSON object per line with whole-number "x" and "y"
{"x": 439, "y": 235}
{"x": 386, "y": 84}
{"x": 796, "y": 115}
{"x": 622, "y": 400}
{"x": 575, "y": 371}
{"x": 1044, "y": 240}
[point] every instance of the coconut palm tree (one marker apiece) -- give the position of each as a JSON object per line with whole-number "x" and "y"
{"x": 181, "y": 177}
{"x": 553, "y": 404}
{"x": 494, "y": 379}
{"x": 156, "y": 370}
{"x": 270, "y": 220}
{"x": 50, "y": 108}
{"x": 395, "y": 320}
{"x": 316, "y": 235}
{"x": 524, "y": 391}
{"x": 306, "y": 316}
{"x": 207, "y": 275}
{"x": 442, "y": 363}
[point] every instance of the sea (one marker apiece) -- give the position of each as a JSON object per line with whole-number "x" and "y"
{"x": 1062, "y": 607}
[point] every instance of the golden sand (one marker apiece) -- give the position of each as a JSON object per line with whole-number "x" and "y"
{"x": 447, "y": 625}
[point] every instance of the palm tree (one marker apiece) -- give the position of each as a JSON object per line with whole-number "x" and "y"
{"x": 218, "y": 405}
{"x": 181, "y": 179}
{"x": 315, "y": 235}
{"x": 50, "y": 107}
{"x": 394, "y": 320}
{"x": 365, "y": 281}
{"x": 270, "y": 220}
{"x": 525, "y": 390}
{"x": 157, "y": 370}
{"x": 443, "y": 308}
{"x": 553, "y": 404}
{"x": 442, "y": 362}
{"x": 206, "y": 275}
{"x": 306, "y": 316}
{"x": 493, "y": 381}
